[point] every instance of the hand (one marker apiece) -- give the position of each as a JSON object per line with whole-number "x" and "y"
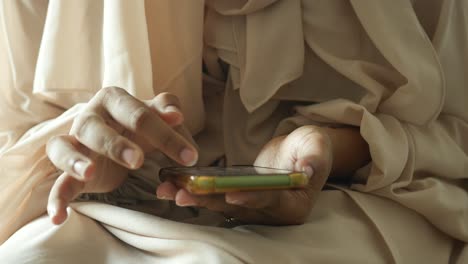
{"x": 306, "y": 149}
{"x": 108, "y": 138}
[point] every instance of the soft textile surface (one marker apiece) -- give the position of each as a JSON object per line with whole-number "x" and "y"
{"x": 338, "y": 231}
{"x": 397, "y": 69}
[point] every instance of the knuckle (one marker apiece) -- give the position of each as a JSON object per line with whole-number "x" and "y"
{"x": 113, "y": 146}
{"x": 83, "y": 123}
{"x": 138, "y": 117}
{"x": 108, "y": 93}
{"x": 309, "y": 137}
{"x": 114, "y": 99}
{"x": 52, "y": 143}
{"x": 169, "y": 141}
{"x": 60, "y": 155}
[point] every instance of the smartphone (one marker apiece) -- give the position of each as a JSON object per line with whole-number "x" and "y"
{"x": 211, "y": 180}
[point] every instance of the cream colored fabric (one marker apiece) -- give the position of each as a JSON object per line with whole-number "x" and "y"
{"x": 341, "y": 233}
{"x": 397, "y": 69}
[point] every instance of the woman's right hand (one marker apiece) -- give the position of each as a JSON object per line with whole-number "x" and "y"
{"x": 110, "y": 137}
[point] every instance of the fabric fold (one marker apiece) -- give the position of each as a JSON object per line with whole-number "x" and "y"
{"x": 90, "y": 57}
{"x": 411, "y": 53}
{"x": 291, "y": 63}
{"x": 256, "y": 40}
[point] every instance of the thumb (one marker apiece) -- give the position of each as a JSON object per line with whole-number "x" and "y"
{"x": 310, "y": 149}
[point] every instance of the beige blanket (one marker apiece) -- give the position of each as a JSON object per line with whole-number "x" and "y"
{"x": 397, "y": 69}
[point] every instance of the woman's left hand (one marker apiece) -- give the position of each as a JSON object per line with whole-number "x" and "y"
{"x": 308, "y": 149}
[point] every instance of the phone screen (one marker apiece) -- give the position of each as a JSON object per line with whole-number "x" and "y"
{"x": 225, "y": 171}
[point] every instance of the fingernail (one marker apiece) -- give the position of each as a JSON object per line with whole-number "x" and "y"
{"x": 164, "y": 197}
{"x": 183, "y": 198}
{"x": 171, "y": 108}
{"x": 308, "y": 171}
{"x": 188, "y": 156}
{"x": 130, "y": 156}
{"x": 183, "y": 204}
{"x": 80, "y": 167}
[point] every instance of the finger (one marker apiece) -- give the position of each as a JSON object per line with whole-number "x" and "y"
{"x": 311, "y": 152}
{"x": 63, "y": 152}
{"x": 275, "y": 207}
{"x": 91, "y": 130}
{"x": 65, "y": 189}
{"x": 215, "y": 203}
{"x": 255, "y": 200}
{"x": 166, "y": 191}
{"x": 184, "y": 198}
{"x": 140, "y": 119}
{"x": 169, "y": 108}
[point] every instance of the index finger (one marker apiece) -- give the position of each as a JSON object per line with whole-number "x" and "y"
{"x": 135, "y": 116}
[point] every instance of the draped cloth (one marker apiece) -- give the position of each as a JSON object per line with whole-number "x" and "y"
{"x": 396, "y": 69}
